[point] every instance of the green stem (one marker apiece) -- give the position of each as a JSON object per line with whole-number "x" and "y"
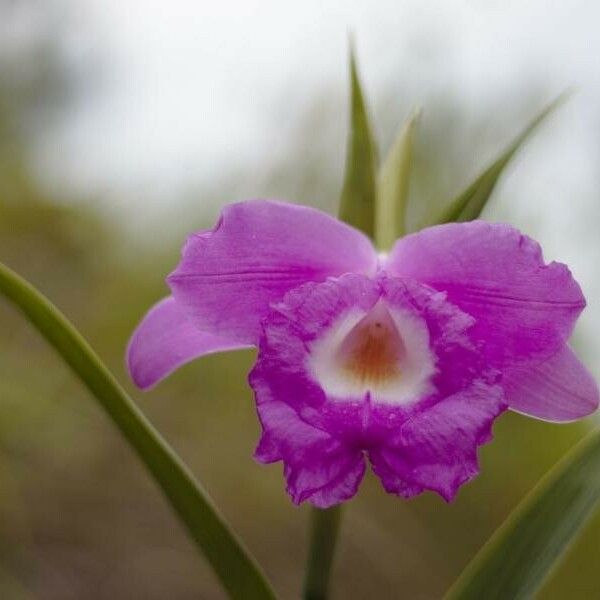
{"x": 324, "y": 529}
{"x": 236, "y": 569}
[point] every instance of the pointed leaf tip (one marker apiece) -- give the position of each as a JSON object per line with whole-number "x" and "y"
{"x": 471, "y": 202}
{"x": 393, "y": 186}
{"x": 357, "y": 202}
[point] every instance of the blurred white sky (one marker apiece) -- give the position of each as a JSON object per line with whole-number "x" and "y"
{"x": 188, "y": 88}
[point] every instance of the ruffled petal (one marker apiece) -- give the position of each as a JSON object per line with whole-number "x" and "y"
{"x": 558, "y": 389}
{"x": 167, "y": 339}
{"x": 318, "y": 468}
{"x": 257, "y": 252}
{"x": 426, "y": 438}
{"x": 523, "y": 307}
{"x": 437, "y": 448}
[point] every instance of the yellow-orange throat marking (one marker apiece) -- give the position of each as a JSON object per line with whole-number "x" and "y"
{"x": 373, "y": 350}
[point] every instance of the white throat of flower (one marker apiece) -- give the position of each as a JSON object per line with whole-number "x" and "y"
{"x": 384, "y": 352}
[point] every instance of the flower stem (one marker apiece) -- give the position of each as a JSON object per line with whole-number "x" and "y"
{"x": 324, "y": 529}
{"x": 236, "y": 569}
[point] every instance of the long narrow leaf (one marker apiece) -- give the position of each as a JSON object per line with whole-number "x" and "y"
{"x": 520, "y": 555}
{"x": 238, "y": 572}
{"x": 357, "y": 202}
{"x": 469, "y": 204}
{"x": 393, "y": 187}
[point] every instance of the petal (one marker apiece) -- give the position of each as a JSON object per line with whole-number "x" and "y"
{"x": 257, "y": 252}
{"x": 558, "y": 389}
{"x": 437, "y": 448}
{"x": 318, "y": 468}
{"x": 165, "y": 340}
{"x": 426, "y": 441}
{"x": 344, "y": 475}
{"x": 523, "y": 307}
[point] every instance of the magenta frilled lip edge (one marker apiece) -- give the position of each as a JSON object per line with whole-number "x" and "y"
{"x": 403, "y": 360}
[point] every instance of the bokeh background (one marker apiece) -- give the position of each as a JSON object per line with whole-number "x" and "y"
{"x": 125, "y": 124}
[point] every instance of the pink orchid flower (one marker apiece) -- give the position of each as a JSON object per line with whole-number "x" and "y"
{"x": 403, "y": 359}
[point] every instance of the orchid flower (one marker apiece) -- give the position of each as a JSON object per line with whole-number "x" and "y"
{"x": 404, "y": 359}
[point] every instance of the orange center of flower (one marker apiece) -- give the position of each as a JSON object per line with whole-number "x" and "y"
{"x": 373, "y": 349}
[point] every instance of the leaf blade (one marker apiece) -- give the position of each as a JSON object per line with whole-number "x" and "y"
{"x": 236, "y": 569}
{"x": 518, "y": 558}
{"x": 469, "y": 204}
{"x": 358, "y": 197}
{"x": 393, "y": 185}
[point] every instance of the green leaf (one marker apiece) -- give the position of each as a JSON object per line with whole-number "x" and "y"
{"x": 238, "y": 572}
{"x": 520, "y": 555}
{"x": 357, "y": 202}
{"x": 393, "y": 187}
{"x": 468, "y": 205}
{"x": 325, "y": 526}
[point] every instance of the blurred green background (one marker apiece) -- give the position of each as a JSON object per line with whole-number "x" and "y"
{"x": 79, "y": 517}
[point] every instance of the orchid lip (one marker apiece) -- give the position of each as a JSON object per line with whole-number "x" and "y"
{"x": 373, "y": 350}
{"x": 383, "y": 352}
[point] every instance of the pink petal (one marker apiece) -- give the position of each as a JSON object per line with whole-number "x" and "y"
{"x": 318, "y": 468}
{"x": 165, "y": 340}
{"x": 523, "y": 307}
{"x": 257, "y": 252}
{"x": 558, "y": 389}
{"x": 428, "y": 443}
{"x": 437, "y": 448}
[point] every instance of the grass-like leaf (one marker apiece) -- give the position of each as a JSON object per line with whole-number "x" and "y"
{"x": 393, "y": 187}
{"x": 521, "y": 554}
{"x": 236, "y": 569}
{"x": 469, "y": 204}
{"x": 357, "y": 202}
